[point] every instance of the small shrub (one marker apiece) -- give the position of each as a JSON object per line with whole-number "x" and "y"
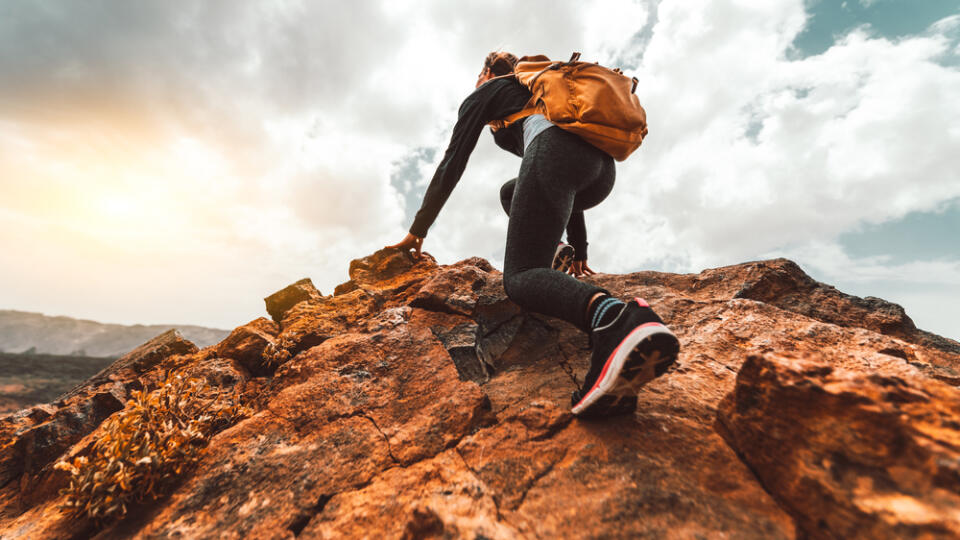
{"x": 143, "y": 447}
{"x": 277, "y": 353}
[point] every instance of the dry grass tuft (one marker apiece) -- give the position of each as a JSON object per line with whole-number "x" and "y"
{"x": 142, "y": 449}
{"x": 277, "y": 353}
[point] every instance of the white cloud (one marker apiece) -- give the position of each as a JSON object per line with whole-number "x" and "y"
{"x": 927, "y": 289}
{"x": 254, "y": 140}
{"x": 258, "y": 140}
{"x": 861, "y": 133}
{"x": 832, "y": 262}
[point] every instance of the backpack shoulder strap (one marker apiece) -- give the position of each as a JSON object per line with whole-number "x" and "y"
{"x": 530, "y": 108}
{"x": 527, "y": 110}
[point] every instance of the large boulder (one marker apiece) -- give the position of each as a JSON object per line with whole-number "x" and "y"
{"x": 851, "y": 454}
{"x": 247, "y": 344}
{"x": 280, "y": 302}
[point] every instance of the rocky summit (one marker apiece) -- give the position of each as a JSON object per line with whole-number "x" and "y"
{"x": 417, "y": 401}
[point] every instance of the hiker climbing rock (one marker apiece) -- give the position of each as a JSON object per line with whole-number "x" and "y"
{"x": 568, "y": 121}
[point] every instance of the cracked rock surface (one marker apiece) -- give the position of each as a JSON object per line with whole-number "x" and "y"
{"x": 417, "y": 401}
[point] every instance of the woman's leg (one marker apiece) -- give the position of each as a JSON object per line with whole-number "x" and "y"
{"x": 596, "y": 192}
{"x": 585, "y": 199}
{"x": 556, "y": 167}
{"x": 506, "y": 194}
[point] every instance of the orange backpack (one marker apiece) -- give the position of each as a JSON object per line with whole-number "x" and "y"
{"x": 595, "y": 102}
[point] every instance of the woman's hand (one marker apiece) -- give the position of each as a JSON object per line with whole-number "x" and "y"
{"x": 580, "y": 269}
{"x": 409, "y": 242}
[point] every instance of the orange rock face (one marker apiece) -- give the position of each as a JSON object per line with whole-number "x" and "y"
{"x": 419, "y": 402}
{"x": 869, "y": 453}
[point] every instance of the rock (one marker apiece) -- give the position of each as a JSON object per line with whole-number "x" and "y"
{"x": 338, "y": 415}
{"x": 401, "y": 379}
{"x": 45, "y": 442}
{"x": 461, "y": 344}
{"x": 247, "y": 343}
{"x": 138, "y": 361}
{"x": 33, "y": 451}
{"x": 419, "y": 401}
{"x": 498, "y": 319}
{"x": 390, "y": 272}
{"x": 440, "y": 497}
{"x": 311, "y": 323}
{"x": 281, "y": 301}
{"x": 385, "y": 265}
{"x": 41, "y": 412}
{"x": 453, "y": 289}
{"x": 36, "y": 440}
{"x": 850, "y": 454}
{"x": 225, "y": 373}
{"x": 784, "y": 284}
{"x": 344, "y": 288}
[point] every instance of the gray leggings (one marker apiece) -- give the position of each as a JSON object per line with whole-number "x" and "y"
{"x": 560, "y": 173}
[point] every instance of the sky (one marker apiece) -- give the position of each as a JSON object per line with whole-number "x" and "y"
{"x": 175, "y": 162}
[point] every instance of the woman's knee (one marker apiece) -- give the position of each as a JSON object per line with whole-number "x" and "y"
{"x": 512, "y": 284}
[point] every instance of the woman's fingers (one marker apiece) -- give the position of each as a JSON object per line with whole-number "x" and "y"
{"x": 579, "y": 269}
{"x": 409, "y": 242}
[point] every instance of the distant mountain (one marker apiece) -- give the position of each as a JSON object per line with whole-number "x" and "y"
{"x": 26, "y": 380}
{"x": 24, "y": 331}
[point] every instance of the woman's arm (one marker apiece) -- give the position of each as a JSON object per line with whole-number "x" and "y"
{"x": 493, "y": 100}
{"x": 466, "y": 132}
{"x": 488, "y": 102}
{"x": 577, "y": 236}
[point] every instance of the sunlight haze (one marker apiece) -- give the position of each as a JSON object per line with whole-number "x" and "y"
{"x": 176, "y": 162}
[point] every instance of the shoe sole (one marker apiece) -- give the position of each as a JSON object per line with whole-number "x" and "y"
{"x": 563, "y": 258}
{"x": 645, "y": 354}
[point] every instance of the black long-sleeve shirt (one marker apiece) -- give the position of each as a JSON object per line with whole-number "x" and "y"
{"x": 491, "y": 101}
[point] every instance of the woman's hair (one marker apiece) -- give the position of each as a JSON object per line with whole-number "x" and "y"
{"x": 500, "y": 63}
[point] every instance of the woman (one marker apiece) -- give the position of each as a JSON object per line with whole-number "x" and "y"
{"x": 561, "y": 175}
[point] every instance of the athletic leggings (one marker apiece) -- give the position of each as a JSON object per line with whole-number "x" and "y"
{"x": 560, "y": 173}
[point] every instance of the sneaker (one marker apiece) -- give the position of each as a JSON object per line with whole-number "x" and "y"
{"x": 563, "y": 257}
{"x": 631, "y": 351}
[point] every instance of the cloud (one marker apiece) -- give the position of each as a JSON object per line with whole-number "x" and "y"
{"x": 750, "y": 152}
{"x": 260, "y": 142}
{"x": 927, "y": 289}
{"x": 830, "y": 260}
{"x": 256, "y": 139}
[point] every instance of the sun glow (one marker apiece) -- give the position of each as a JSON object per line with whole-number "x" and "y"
{"x": 117, "y": 206}
{"x": 132, "y": 195}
